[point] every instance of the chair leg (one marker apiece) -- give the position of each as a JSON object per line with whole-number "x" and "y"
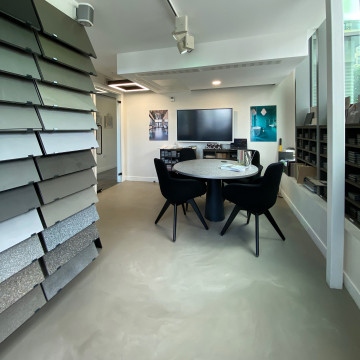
{"x": 174, "y": 225}
{"x": 274, "y": 224}
{"x": 248, "y": 217}
{"x": 187, "y": 206}
{"x": 257, "y": 234}
{"x": 183, "y": 207}
{"x": 230, "y": 219}
{"x": 198, "y": 213}
{"x": 167, "y": 204}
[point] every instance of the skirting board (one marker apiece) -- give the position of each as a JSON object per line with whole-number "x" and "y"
{"x": 139, "y": 178}
{"x": 352, "y": 289}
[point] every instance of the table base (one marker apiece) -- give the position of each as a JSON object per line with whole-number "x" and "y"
{"x": 214, "y": 207}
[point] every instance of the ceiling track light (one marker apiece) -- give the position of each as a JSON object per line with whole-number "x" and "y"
{"x": 185, "y": 41}
{"x": 186, "y": 44}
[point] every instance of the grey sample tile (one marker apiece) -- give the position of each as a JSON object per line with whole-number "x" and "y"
{"x": 17, "y": 62}
{"x": 64, "y": 230}
{"x": 63, "y": 55}
{"x": 62, "y": 164}
{"x": 66, "y": 120}
{"x": 55, "y": 282}
{"x": 53, "y": 189}
{"x": 18, "y": 118}
{"x": 18, "y": 201}
{"x": 19, "y": 228}
{"x": 55, "y": 96}
{"x": 13, "y": 317}
{"x": 56, "y": 258}
{"x": 61, "y": 75}
{"x": 17, "y": 173}
{"x": 18, "y": 36}
{"x": 18, "y": 90}
{"x": 70, "y": 205}
{"x": 17, "y": 146}
{"x": 19, "y": 256}
{"x": 55, "y": 143}
{"x": 18, "y": 285}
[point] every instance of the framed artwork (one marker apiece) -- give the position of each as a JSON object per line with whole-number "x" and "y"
{"x": 263, "y": 123}
{"x": 158, "y": 125}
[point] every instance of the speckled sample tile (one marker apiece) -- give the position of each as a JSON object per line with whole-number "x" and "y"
{"x": 18, "y": 285}
{"x": 55, "y": 282}
{"x": 69, "y": 227}
{"x": 19, "y": 256}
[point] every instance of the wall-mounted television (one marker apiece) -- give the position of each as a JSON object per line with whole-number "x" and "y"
{"x": 205, "y": 125}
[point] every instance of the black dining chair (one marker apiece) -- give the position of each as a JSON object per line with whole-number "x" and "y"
{"x": 178, "y": 192}
{"x": 256, "y": 199}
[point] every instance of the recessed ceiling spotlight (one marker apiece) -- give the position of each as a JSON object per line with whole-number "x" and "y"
{"x": 126, "y": 85}
{"x": 216, "y": 82}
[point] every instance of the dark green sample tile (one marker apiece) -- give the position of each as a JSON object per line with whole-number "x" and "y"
{"x": 18, "y": 118}
{"x": 18, "y": 145}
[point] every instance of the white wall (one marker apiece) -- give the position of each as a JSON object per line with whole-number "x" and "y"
{"x": 140, "y": 152}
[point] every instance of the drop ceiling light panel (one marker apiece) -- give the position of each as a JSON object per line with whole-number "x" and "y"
{"x": 63, "y": 55}
{"x": 60, "y": 187}
{"x": 59, "y": 97}
{"x": 22, "y": 310}
{"x": 55, "y": 143}
{"x": 18, "y": 90}
{"x": 70, "y": 248}
{"x": 66, "y": 120}
{"x": 70, "y": 205}
{"x": 64, "y": 230}
{"x": 17, "y": 146}
{"x": 19, "y": 228}
{"x": 17, "y": 62}
{"x": 19, "y": 256}
{"x": 18, "y": 201}
{"x": 59, "y": 165}
{"x": 18, "y": 285}
{"x": 17, "y": 173}
{"x": 18, "y": 118}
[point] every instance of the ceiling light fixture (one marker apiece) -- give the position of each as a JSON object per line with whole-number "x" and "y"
{"x": 126, "y": 85}
{"x": 98, "y": 90}
{"x": 186, "y": 44}
{"x": 216, "y": 82}
{"x": 185, "y": 41}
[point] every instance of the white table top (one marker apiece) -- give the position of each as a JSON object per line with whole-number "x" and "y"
{"x": 210, "y": 169}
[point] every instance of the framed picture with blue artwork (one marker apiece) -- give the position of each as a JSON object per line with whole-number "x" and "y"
{"x": 263, "y": 123}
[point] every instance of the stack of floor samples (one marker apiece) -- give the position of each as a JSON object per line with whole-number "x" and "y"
{"x": 47, "y": 195}
{"x": 353, "y": 157}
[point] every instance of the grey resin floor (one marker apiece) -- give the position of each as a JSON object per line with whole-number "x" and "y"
{"x": 106, "y": 179}
{"x": 206, "y": 297}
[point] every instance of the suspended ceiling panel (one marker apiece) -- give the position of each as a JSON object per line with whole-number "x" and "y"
{"x": 18, "y": 118}
{"x": 68, "y": 99}
{"x": 64, "y": 230}
{"x": 64, "y": 29}
{"x": 66, "y": 120}
{"x": 63, "y": 55}
{"x": 17, "y": 146}
{"x": 17, "y": 173}
{"x": 17, "y": 62}
{"x": 70, "y": 205}
{"x": 61, "y": 75}
{"x": 18, "y": 201}
{"x": 51, "y": 190}
{"x": 18, "y": 36}
{"x": 18, "y": 90}
{"x": 68, "y": 141}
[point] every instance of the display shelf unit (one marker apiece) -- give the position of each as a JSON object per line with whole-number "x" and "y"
{"x": 227, "y": 154}
{"x": 306, "y": 145}
{"x": 171, "y": 156}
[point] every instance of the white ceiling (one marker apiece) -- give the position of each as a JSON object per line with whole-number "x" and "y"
{"x": 132, "y": 26}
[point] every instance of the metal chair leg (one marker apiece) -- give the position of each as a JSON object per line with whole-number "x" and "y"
{"x": 274, "y": 224}
{"x": 167, "y": 204}
{"x": 257, "y": 234}
{"x": 183, "y": 207}
{"x": 248, "y": 217}
{"x": 230, "y": 219}
{"x": 174, "y": 225}
{"x": 198, "y": 213}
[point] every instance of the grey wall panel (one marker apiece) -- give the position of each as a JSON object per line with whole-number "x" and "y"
{"x": 18, "y": 118}
{"x": 18, "y": 90}
{"x": 61, "y": 75}
{"x": 53, "y": 189}
{"x": 64, "y": 230}
{"x": 70, "y": 248}
{"x": 63, "y": 55}
{"x": 65, "y": 29}
{"x": 19, "y": 256}
{"x": 58, "y": 165}
{"x": 18, "y": 285}
{"x": 22, "y": 310}
{"x": 17, "y": 62}
{"x": 67, "y": 99}
{"x": 55, "y": 143}
{"x": 17, "y": 173}
{"x": 66, "y": 273}
{"x": 18, "y": 36}
{"x": 17, "y": 146}
{"x": 70, "y": 205}
{"x": 66, "y": 120}
{"x": 18, "y": 201}
{"x": 19, "y": 228}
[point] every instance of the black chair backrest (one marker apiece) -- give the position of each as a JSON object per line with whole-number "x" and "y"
{"x": 256, "y": 157}
{"x": 164, "y": 177}
{"x": 187, "y": 154}
{"x": 270, "y": 183}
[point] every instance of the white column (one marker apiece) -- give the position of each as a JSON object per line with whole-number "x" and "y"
{"x": 336, "y": 143}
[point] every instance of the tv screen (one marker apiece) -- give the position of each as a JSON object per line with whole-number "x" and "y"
{"x": 205, "y": 125}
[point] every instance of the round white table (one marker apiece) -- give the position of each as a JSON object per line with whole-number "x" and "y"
{"x": 210, "y": 169}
